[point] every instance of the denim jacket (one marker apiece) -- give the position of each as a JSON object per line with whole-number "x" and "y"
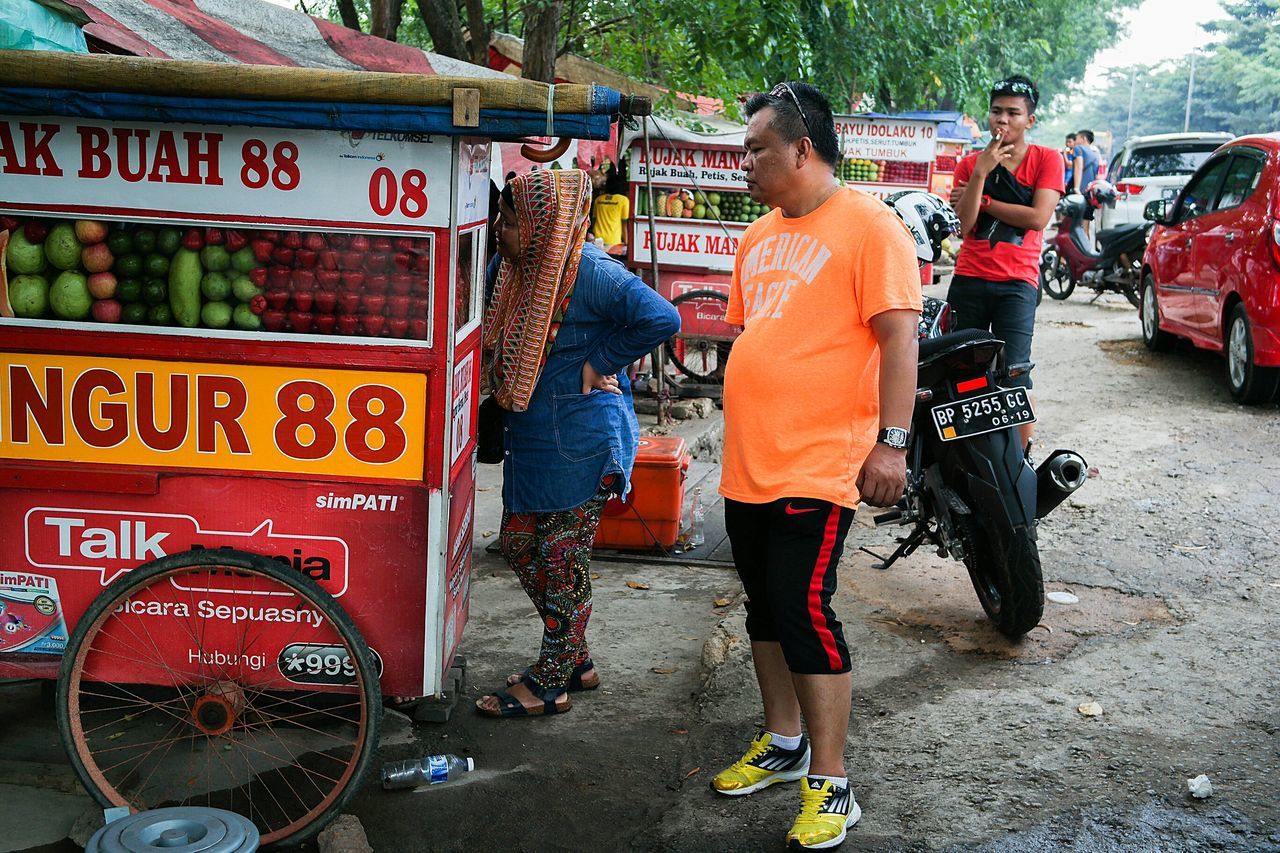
{"x": 558, "y": 450}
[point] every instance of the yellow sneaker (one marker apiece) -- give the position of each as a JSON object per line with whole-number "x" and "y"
{"x": 826, "y": 813}
{"x": 763, "y": 765}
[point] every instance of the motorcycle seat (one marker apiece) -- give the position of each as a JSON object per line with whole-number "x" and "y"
{"x": 1109, "y": 235}
{"x": 967, "y": 351}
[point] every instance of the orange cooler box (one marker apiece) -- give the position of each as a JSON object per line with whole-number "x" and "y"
{"x": 650, "y": 514}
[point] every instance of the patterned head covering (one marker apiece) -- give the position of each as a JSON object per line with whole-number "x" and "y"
{"x": 533, "y": 291}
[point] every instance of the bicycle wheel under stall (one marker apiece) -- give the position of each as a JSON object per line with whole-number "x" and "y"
{"x": 239, "y": 441}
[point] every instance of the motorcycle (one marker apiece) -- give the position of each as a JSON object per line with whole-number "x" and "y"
{"x": 971, "y": 490}
{"x": 1069, "y": 258}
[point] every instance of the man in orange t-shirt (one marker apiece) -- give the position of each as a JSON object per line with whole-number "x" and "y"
{"x": 818, "y": 398}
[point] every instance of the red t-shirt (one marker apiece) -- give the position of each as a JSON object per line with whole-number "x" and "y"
{"x": 1007, "y": 254}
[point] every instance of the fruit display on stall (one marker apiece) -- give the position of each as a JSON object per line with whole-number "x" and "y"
{"x": 215, "y": 278}
{"x": 859, "y": 170}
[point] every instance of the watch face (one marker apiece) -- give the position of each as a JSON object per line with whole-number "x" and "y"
{"x": 895, "y": 437}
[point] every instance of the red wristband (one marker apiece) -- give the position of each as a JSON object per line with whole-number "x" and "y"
{"x": 985, "y": 203}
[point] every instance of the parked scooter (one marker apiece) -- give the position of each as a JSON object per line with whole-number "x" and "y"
{"x": 971, "y": 490}
{"x": 1069, "y": 258}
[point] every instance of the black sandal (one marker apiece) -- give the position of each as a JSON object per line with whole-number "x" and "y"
{"x": 510, "y": 706}
{"x": 577, "y": 679}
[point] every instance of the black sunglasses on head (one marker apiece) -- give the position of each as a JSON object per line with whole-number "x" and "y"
{"x": 783, "y": 89}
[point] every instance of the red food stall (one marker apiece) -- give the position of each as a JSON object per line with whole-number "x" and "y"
{"x": 237, "y": 401}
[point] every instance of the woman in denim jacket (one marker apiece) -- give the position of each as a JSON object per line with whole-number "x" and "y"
{"x": 563, "y": 323}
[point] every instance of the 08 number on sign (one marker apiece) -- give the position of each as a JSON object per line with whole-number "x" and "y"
{"x": 408, "y": 192}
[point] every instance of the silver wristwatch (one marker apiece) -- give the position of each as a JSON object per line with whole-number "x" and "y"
{"x": 895, "y": 437}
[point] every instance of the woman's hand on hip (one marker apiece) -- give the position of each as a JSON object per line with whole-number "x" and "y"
{"x": 593, "y": 379}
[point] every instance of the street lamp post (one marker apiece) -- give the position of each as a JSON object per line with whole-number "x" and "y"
{"x": 1191, "y": 87}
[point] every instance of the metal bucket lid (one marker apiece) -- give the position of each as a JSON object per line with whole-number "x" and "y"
{"x": 186, "y": 829}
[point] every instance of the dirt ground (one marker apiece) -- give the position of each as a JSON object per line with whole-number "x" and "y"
{"x": 960, "y": 740}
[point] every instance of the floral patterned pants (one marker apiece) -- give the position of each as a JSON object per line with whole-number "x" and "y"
{"x": 550, "y": 553}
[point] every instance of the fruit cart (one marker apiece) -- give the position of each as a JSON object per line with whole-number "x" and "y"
{"x": 701, "y": 209}
{"x": 237, "y": 408}
{"x": 885, "y": 154}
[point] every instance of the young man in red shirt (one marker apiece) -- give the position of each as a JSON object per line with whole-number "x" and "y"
{"x": 1005, "y": 195}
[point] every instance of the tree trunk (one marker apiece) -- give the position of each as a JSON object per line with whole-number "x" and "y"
{"x": 384, "y": 18}
{"x": 541, "y": 39}
{"x": 479, "y": 30}
{"x": 350, "y": 20}
{"x": 444, "y": 27}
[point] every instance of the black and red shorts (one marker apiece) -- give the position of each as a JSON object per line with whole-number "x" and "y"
{"x": 786, "y": 554}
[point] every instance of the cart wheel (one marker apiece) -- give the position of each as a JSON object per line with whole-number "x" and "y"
{"x": 698, "y": 357}
{"x": 173, "y": 692}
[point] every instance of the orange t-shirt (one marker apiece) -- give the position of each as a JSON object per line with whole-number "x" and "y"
{"x": 802, "y": 385}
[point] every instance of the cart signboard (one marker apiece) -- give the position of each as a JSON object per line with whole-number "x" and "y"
{"x": 884, "y": 155}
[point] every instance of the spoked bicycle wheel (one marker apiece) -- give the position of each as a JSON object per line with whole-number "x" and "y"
{"x": 700, "y": 351}
{"x": 223, "y": 679}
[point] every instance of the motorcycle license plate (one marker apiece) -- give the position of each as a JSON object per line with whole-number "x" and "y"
{"x": 984, "y": 413}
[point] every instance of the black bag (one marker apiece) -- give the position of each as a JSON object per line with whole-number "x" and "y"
{"x": 489, "y": 432}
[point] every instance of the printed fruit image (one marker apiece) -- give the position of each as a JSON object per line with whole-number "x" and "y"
{"x": 23, "y": 256}
{"x": 216, "y": 315}
{"x": 215, "y": 286}
{"x": 215, "y": 258}
{"x": 90, "y": 231}
{"x": 107, "y": 311}
{"x": 29, "y": 296}
{"x": 102, "y": 285}
{"x": 134, "y": 315}
{"x": 96, "y": 258}
{"x": 69, "y": 295}
{"x": 62, "y": 248}
{"x": 243, "y": 288}
{"x": 244, "y": 318}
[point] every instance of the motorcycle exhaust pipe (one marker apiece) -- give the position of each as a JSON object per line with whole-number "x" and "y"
{"x": 1056, "y": 478}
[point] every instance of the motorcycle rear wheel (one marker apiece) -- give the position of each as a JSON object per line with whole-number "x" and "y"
{"x": 1005, "y": 575}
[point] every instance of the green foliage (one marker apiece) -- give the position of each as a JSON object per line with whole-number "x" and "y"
{"x": 1237, "y": 84}
{"x": 927, "y": 54}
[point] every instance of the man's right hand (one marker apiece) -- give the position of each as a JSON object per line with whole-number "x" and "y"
{"x": 997, "y": 153}
{"x": 957, "y": 190}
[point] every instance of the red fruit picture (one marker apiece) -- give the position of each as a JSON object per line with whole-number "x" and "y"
{"x": 236, "y": 240}
{"x": 325, "y": 301}
{"x": 349, "y": 302}
{"x": 353, "y": 281}
{"x": 380, "y": 244}
{"x": 262, "y": 250}
{"x": 304, "y": 258}
{"x": 327, "y": 259}
{"x": 282, "y": 256}
{"x": 402, "y": 244}
{"x": 398, "y": 306}
{"x": 325, "y": 323}
{"x": 377, "y": 283}
{"x": 398, "y": 327}
{"x": 273, "y": 320}
{"x": 378, "y": 261}
{"x": 301, "y": 321}
{"x": 302, "y": 300}
{"x": 328, "y": 279}
{"x": 291, "y": 240}
{"x": 193, "y": 240}
{"x": 214, "y": 237}
{"x": 372, "y": 324}
{"x": 314, "y": 242}
{"x": 401, "y": 283}
{"x": 277, "y": 299}
{"x": 303, "y": 280}
{"x": 373, "y": 302}
{"x": 418, "y": 329}
{"x": 422, "y": 263}
{"x": 279, "y": 276}
{"x": 347, "y": 324}
{"x": 258, "y": 275}
{"x": 359, "y": 243}
{"x": 352, "y": 260}
{"x": 402, "y": 261}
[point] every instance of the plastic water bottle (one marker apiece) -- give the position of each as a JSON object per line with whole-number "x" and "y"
{"x": 431, "y": 770}
{"x": 697, "y": 530}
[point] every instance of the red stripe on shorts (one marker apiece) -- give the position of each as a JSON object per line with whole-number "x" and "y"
{"x": 816, "y": 616}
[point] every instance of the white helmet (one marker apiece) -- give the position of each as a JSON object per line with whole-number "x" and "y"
{"x": 929, "y": 218}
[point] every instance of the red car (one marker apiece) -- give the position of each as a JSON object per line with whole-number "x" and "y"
{"x": 1211, "y": 271}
